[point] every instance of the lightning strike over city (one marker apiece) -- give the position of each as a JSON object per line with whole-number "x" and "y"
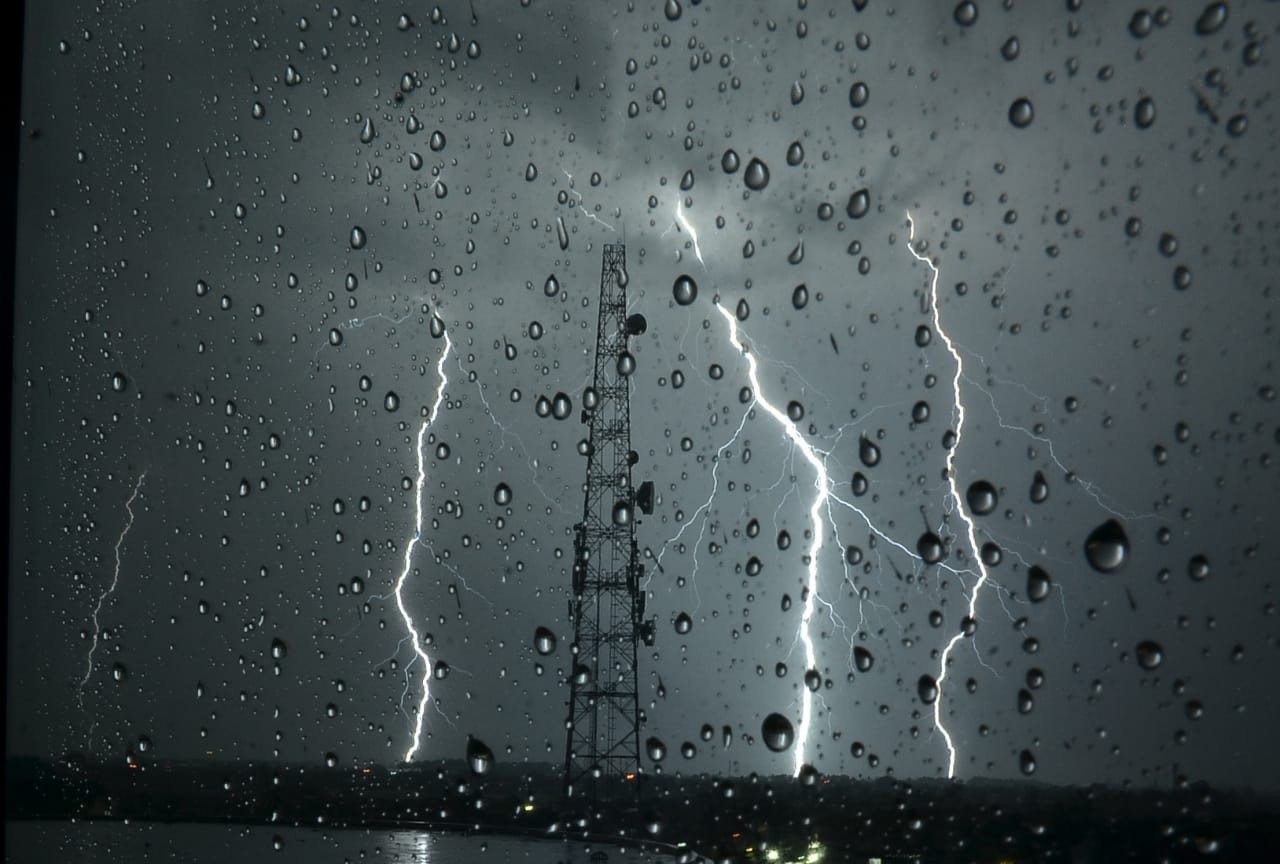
{"x": 419, "y": 492}
{"x": 110, "y": 589}
{"x": 822, "y": 484}
{"x": 957, "y": 499}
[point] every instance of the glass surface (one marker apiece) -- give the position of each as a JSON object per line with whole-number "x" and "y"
{"x": 956, "y": 387}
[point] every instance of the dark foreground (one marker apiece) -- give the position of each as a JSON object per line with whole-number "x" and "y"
{"x": 750, "y": 818}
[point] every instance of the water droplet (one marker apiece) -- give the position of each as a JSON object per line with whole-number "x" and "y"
{"x": 655, "y": 749}
{"x": 391, "y": 402}
{"x": 800, "y": 297}
{"x": 1211, "y": 19}
{"x": 358, "y": 237}
{"x": 795, "y": 411}
{"x": 858, "y": 94}
{"x": 729, "y": 161}
{"x": 1021, "y": 113}
{"x": 119, "y": 672}
{"x": 927, "y": 689}
{"x": 1107, "y": 547}
{"x": 278, "y": 649}
{"x": 1038, "y": 584}
{"x": 757, "y": 175}
{"x": 1144, "y": 113}
{"x": 930, "y": 547}
{"x": 868, "y": 452}
{"x": 1141, "y": 24}
{"x": 530, "y": 172}
{"x": 562, "y": 234}
{"x": 923, "y": 335}
{"x": 920, "y": 411}
{"x": 436, "y": 142}
{"x": 1011, "y": 49}
{"x": 777, "y": 732}
{"x": 292, "y": 77}
{"x": 1149, "y": 654}
{"x": 544, "y": 641}
{"x": 479, "y": 756}
{"x": 561, "y": 405}
{"x": 1198, "y": 568}
{"x": 672, "y": 10}
{"x": 684, "y": 290}
{"x": 626, "y": 364}
{"x": 859, "y": 204}
{"x": 502, "y": 495}
{"x": 366, "y": 131}
{"x": 863, "y": 659}
{"x": 1039, "y": 489}
{"x": 795, "y": 153}
{"x": 1027, "y": 762}
{"x": 982, "y": 497}
{"x": 119, "y": 382}
{"x": 966, "y": 13}
{"x": 622, "y": 513}
{"x": 441, "y": 670}
{"x": 683, "y": 623}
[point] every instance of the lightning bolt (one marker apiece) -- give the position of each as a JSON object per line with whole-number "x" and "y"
{"x": 420, "y": 652}
{"x": 682, "y": 222}
{"x": 956, "y": 498}
{"x": 102, "y": 598}
{"x": 821, "y": 481}
{"x": 702, "y": 511}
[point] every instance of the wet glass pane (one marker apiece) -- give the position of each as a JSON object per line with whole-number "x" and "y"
{"x": 767, "y": 431}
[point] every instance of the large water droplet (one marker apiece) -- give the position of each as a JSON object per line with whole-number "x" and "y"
{"x": 1149, "y": 654}
{"x": 655, "y": 749}
{"x": 757, "y": 175}
{"x": 479, "y": 756}
{"x": 358, "y": 237}
{"x": 684, "y": 290}
{"x": 863, "y": 659}
{"x": 777, "y": 732}
{"x": 1038, "y": 584}
{"x": 927, "y": 689}
{"x": 683, "y": 623}
{"x": 1107, "y": 547}
{"x": 982, "y": 497}
{"x": 502, "y": 495}
{"x": 859, "y": 204}
{"x": 561, "y": 406}
{"x": 544, "y": 641}
{"x": 1211, "y": 19}
{"x": 868, "y": 452}
{"x": 1021, "y": 113}
{"x": 930, "y": 547}
{"x": 672, "y": 10}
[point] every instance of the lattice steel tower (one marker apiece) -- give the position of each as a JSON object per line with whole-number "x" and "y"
{"x": 602, "y": 754}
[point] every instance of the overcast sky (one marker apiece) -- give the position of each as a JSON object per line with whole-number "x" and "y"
{"x": 200, "y": 330}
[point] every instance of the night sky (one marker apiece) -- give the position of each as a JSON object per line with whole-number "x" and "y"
{"x": 238, "y": 223}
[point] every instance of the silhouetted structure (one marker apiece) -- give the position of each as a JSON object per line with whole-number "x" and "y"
{"x": 603, "y": 747}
